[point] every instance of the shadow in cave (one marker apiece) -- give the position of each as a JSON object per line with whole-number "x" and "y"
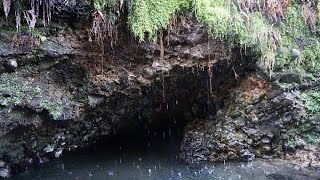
{"x": 160, "y": 135}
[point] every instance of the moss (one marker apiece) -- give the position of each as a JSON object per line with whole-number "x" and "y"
{"x": 312, "y": 101}
{"x": 296, "y": 35}
{"x": 311, "y": 138}
{"x": 16, "y": 91}
{"x": 148, "y": 16}
{"x": 54, "y": 107}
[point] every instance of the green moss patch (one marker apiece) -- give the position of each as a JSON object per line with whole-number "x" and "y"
{"x": 16, "y": 91}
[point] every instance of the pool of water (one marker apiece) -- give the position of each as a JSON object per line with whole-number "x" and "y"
{"x": 132, "y": 157}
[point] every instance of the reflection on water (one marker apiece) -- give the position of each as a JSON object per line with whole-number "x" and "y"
{"x": 133, "y": 158}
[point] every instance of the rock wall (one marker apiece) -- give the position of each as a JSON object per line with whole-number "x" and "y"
{"x": 59, "y": 92}
{"x": 250, "y": 125}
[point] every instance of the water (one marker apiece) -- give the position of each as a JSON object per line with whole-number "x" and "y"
{"x": 134, "y": 158}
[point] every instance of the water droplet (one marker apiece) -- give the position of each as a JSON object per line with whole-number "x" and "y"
{"x": 111, "y": 173}
{"x": 164, "y": 135}
{"x": 150, "y": 172}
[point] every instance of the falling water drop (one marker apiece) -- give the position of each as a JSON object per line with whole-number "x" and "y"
{"x": 164, "y": 135}
{"x": 150, "y": 172}
{"x": 177, "y": 102}
{"x": 170, "y": 132}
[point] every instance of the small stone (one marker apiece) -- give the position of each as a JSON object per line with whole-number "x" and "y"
{"x": 246, "y": 155}
{"x": 290, "y": 77}
{"x": 300, "y": 143}
{"x": 286, "y": 102}
{"x": 274, "y": 93}
{"x": 265, "y": 141}
{"x": 266, "y": 148}
{"x": 295, "y": 53}
{"x": 11, "y": 64}
{"x": 5, "y": 173}
{"x": 49, "y": 148}
{"x": 2, "y": 164}
{"x": 58, "y": 152}
{"x": 249, "y": 141}
{"x": 148, "y": 73}
{"x": 270, "y": 135}
{"x": 236, "y": 114}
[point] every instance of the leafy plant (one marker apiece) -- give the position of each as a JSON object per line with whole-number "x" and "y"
{"x": 312, "y": 99}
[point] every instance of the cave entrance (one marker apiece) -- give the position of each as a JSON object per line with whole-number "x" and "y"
{"x": 172, "y": 101}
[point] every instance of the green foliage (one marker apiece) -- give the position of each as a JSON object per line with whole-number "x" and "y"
{"x": 311, "y": 138}
{"x": 296, "y": 35}
{"x": 312, "y": 101}
{"x": 307, "y": 128}
{"x": 15, "y": 91}
{"x": 310, "y": 57}
{"x": 225, "y": 21}
{"x": 148, "y": 16}
{"x": 54, "y": 107}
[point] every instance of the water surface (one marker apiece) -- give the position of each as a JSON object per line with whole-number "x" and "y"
{"x": 132, "y": 157}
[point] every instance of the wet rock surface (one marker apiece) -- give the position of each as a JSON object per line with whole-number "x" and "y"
{"x": 64, "y": 94}
{"x": 58, "y": 93}
{"x": 256, "y": 121}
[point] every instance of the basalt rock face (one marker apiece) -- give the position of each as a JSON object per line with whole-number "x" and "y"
{"x": 252, "y": 124}
{"x": 59, "y": 92}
